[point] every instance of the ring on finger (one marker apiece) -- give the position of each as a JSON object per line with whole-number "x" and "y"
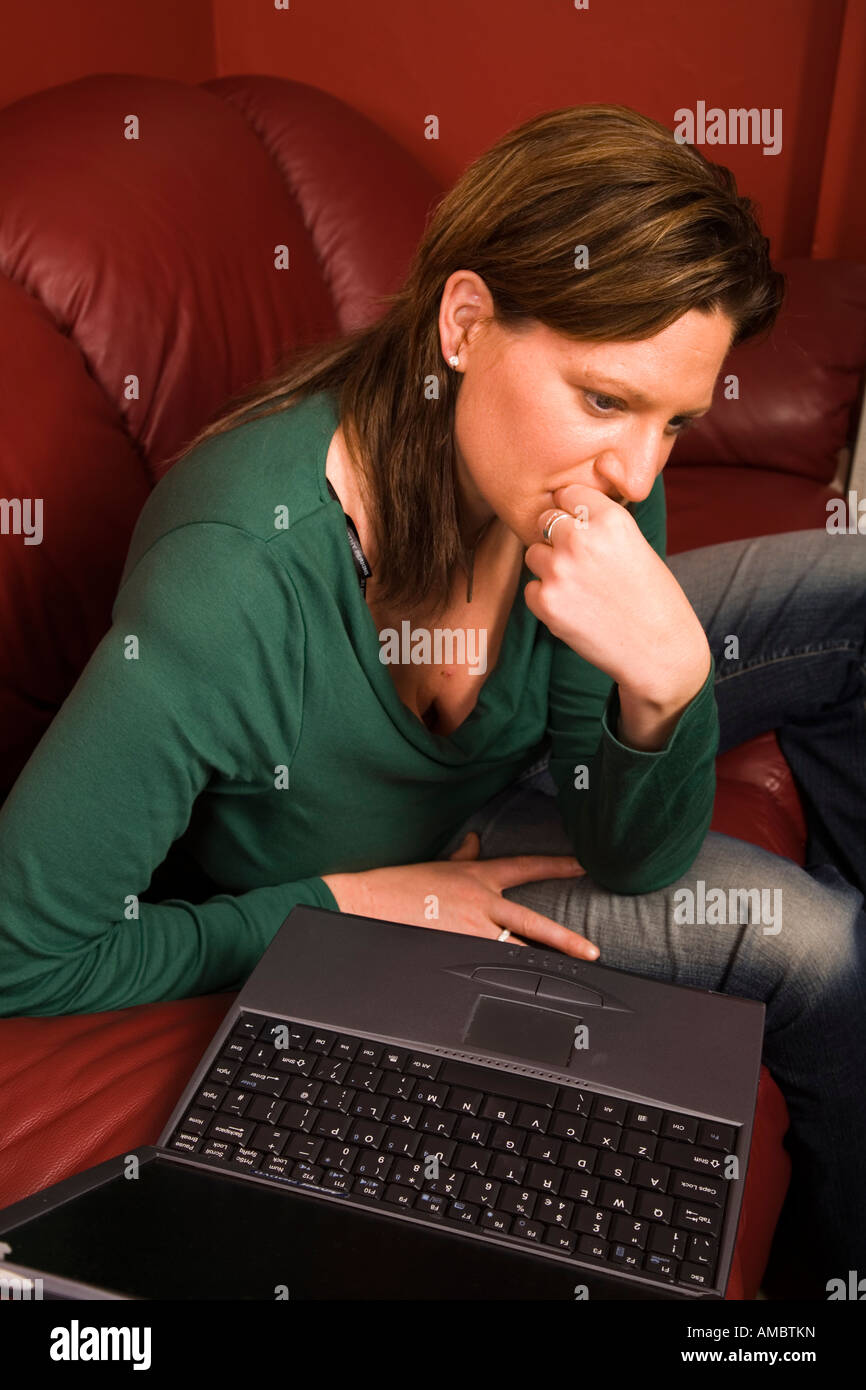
{"x": 549, "y": 525}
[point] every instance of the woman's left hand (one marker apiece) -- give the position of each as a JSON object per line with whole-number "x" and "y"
{"x": 605, "y": 592}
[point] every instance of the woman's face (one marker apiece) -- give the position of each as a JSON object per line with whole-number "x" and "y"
{"x": 536, "y": 411}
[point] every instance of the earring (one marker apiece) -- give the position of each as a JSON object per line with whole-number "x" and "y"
{"x": 454, "y": 361}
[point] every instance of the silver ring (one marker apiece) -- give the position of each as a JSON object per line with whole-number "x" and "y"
{"x": 503, "y": 935}
{"x": 549, "y": 525}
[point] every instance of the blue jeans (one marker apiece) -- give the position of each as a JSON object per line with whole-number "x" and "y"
{"x": 797, "y": 605}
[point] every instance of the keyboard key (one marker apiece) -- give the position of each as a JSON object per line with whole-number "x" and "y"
{"x": 368, "y": 1135}
{"x": 553, "y": 1211}
{"x": 401, "y": 1141}
{"x": 626, "y": 1255}
{"x": 698, "y": 1276}
{"x": 302, "y": 1090}
{"x": 300, "y": 1117}
{"x": 303, "y": 1146}
{"x": 364, "y": 1078}
{"x": 310, "y": 1174}
{"x": 393, "y": 1059}
{"x": 703, "y": 1250}
{"x": 691, "y": 1215}
{"x": 396, "y": 1086}
{"x": 371, "y": 1189}
{"x": 407, "y": 1174}
{"x": 716, "y": 1136}
{"x": 508, "y": 1139}
{"x": 578, "y": 1156}
{"x": 605, "y": 1108}
{"x": 373, "y": 1165}
{"x": 345, "y": 1048}
{"x": 517, "y": 1201}
{"x": 617, "y": 1197}
{"x": 508, "y": 1084}
{"x": 628, "y": 1231}
{"x": 295, "y": 1063}
{"x": 335, "y": 1181}
{"x": 366, "y": 1107}
{"x": 495, "y": 1221}
{"x": 592, "y": 1221}
{"x": 330, "y": 1069}
{"x": 431, "y": 1204}
{"x": 691, "y": 1160}
{"x": 570, "y": 1127}
{"x": 430, "y": 1093}
{"x": 679, "y": 1127}
{"x": 527, "y": 1230}
{"x": 534, "y": 1118}
{"x": 470, "y": 1131}
{"x": 571, "y": 1102}
{"x": 654, "y": 1208}
{"x": 197, "y": 1121}
{"x": 700, "y": 1189}
{"x": 644, "y": 1117}
{"x": 232, "y": 1131}
{"x": 471, "y": 1159}
{"x": 334, "y": 1155}
{"x": 248, "y": 1159}
{"x": 247, "y": 1026}
{"x": 592, "y": 1249}
{"x": 270, "y": 1140}
{"x": 544, "y": 1178}
{"x": 464, "y": 1212}
{"x": 186, "y": 1143}
{"x": 495, "y": 1108}
{"x": 210, "y": 1097}
{"x": 664, "y": 1241}
{"x": 601, "y": 1135}
{"x": 419, "y": 1065}
{"x": 483, "y": 1191}
{"x": 216, "y": 1148}
{"x": 543, "y": 1149}
{"x": 655, "y": 1176}
{"x": 508, "y": 1168}
{"x": 269, "y": 1083}
{"x": 581, "y": 1189}
{"x": 465, "y": 1102}
{"x": 615, "y": 1166}
{"x": 223, "y": 1072}
{"x": 564, "y": 1241}
{"x": 321, "y": 1041}
{"x": 638, "y": 1144}
{"x": 662, "y": 1266}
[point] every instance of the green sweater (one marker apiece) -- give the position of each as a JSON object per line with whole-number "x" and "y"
{"x": 235, "y": 735}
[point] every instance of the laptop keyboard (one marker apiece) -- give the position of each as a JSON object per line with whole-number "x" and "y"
{"x": 572, "y": 1171}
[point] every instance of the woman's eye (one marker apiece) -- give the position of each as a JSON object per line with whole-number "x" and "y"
{"x": 604, "y": 404}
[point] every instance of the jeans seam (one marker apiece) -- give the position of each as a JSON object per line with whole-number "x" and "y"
{"x": 790, "y": 656}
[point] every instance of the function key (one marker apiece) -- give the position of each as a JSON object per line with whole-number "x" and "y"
{"x": 679, "y": 1127}
{"x": 321, "y": 1041}
{"x": 644, "y": 1117}
{"x": 716, "y": 1136}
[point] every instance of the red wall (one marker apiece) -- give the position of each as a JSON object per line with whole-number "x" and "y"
{"x": 482, "y": 66}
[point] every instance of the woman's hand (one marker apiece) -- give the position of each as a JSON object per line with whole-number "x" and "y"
{"x": 465, "y": 893}
{"x": 604, "y": 591}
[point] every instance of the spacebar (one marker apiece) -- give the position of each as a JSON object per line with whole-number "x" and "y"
{"x": 499, "y": 1083}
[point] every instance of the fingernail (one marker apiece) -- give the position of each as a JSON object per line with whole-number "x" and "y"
{"x": 592, "y": 952}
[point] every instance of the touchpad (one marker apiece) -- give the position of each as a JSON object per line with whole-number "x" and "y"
{"x": 521, "y": 1030}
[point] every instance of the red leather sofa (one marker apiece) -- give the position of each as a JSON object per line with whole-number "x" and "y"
{"x": 138, "y": 292}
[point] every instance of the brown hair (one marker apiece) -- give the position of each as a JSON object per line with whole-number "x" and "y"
{"x": 666, "y": 232}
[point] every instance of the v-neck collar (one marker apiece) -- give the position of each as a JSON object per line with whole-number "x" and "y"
{"x": 464, "y": 740}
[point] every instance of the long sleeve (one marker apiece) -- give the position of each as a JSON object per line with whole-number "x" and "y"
{"x": 165, "y": 704}
{"x": 636, "y": 819}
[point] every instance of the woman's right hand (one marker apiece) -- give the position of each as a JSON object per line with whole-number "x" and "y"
{"x": 466, "y": 894}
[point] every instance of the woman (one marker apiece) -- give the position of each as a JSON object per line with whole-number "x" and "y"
{"x": 253, "y": 733}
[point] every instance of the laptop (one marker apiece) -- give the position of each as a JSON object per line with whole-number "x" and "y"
{"x": 390, "y": 1111}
